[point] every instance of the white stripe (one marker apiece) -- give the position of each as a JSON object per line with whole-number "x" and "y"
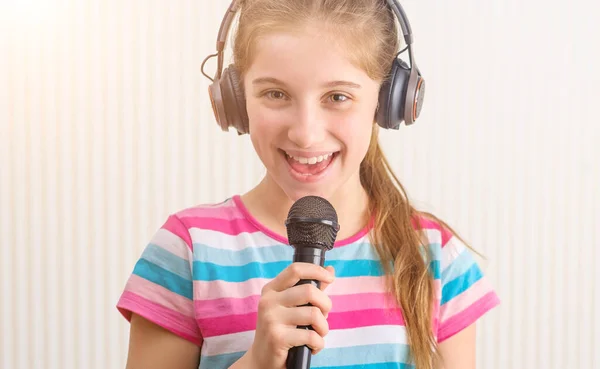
{"x": 228, "y": 343}
{"x": 379, "y": 334}
{"x": 172, "y": 243}
{"x": 433, "y": 236}
{"x": 238, "y": 242}
{"x": 374, "y": 335}
{"x": 451, "y": 251}
{"x": 209, "y": 290}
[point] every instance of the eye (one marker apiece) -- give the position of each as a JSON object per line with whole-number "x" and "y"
{"x": 338, "y": 98}
{"x": 274, "y": 95}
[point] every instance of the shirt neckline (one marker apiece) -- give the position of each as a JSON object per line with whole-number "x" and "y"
{"x": 261, "y": 227}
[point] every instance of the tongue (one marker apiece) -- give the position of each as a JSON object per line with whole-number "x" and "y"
{"x": 309, "y": 169}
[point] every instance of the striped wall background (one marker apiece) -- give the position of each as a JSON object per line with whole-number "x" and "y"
{"x": 105, "y": 128}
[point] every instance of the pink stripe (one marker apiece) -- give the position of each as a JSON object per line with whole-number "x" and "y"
{"x": 465, "y": 299}
{"x": 365, "y": 318}
{"x": 231, "y": 227}
{"x": 177, "y": 323}
{"x": 174, "y": 225}
{"x": 204, "y": 290}
{"x": 354, "y": 285}
{"x": 225, "y": 210}
{"x": 363, "y": 301}
{"x": 427, "y": 223}
{"x": 219, "y": 289}
{"x": 340, "y": 303}
{"x": 160, "y": 295}
{"x": 468, "y": 316}
{"x": 229, "y": 324}
{"x": 435, "y": 324}
{"x": 437, "y": 287}
{"x": 225, "y": 307}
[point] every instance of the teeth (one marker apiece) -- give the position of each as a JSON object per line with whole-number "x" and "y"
{"x": 311, "y": 161}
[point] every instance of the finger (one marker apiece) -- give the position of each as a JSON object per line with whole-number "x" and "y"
{"x": 331, "y": 270}
{"x": 297, "y": 271}
{"x": 300, "y": 337}
{"x": 305, "y": 294}
{"x": 306, "y": 316}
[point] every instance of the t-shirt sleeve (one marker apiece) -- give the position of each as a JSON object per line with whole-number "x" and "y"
{"x": 466, "y": 293}
{"x": 160, "y": 288}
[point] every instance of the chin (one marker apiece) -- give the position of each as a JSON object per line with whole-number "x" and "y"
{"x": 297, "y": 193}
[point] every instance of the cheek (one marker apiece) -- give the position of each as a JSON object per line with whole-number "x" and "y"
{"x": 355, "y": 133}
{"x": 264, "y": 120}
{"x": 266, "y": 130}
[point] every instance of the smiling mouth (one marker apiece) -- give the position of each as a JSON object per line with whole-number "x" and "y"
{"x": 309, "y": 166}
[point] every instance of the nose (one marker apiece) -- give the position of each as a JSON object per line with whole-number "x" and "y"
{"x": 308, "y": 128}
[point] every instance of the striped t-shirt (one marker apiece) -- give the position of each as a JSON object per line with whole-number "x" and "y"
{"x": 202, "y": 272}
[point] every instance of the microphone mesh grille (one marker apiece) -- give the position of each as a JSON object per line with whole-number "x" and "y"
{"x": 312, "y": 233}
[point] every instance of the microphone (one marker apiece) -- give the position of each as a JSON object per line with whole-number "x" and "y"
{"x": 312, "y": 229}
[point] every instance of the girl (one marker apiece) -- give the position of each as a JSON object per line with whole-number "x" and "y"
{"x": 215, "y": 287}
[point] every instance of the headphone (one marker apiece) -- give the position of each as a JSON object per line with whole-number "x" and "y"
{"x": 400, "y": 96}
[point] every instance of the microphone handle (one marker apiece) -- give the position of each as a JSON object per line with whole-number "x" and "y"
{"x": 299, "y": 357}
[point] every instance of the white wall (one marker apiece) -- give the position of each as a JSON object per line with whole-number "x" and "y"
{"x": 106, "y": 128}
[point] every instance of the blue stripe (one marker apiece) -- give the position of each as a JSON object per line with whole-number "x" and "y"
{"x": 460, "y": 284}
{"x": 354, "y": 251}
{"x": 356, "y": 268}
{"x": 164, "y": 278}
{"x": 267, "y": 254}
{"x": 434, "y": 269}
{"x": 168, "y": 261}
{"x": 355, "y": 356}
{"x": 276, "y": 253}
{"x": 463, "y": 262}
{"x": 369, "y": 366}
{"x": 433, "y": 251}
{"x": 213, "y": 272}
{"x": 343, "y": 268}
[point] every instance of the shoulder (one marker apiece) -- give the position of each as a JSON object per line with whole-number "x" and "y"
{"x": 434, "y": 229}
{"x": 185, "y": 222}
{"x": 201, "y": 215}
{"x": 221, "y": 224}
{"x": 210, "y": 215}
{"x": 445, "y": 248}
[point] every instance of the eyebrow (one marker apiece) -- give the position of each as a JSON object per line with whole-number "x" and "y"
{"x": 264, "y": 80}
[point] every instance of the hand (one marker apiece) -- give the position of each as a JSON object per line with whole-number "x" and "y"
{"x": 280, "y": 312}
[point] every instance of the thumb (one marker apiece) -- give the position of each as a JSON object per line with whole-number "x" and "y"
{"x": 331, "y": 270}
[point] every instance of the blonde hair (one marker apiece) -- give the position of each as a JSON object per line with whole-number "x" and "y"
{"x": 368, "y": 31}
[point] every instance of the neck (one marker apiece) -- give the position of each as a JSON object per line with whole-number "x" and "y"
{"x": 270, "y": 205}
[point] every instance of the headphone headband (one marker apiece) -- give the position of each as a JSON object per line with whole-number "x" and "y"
{"x": 235, "y": 5}
{"x": 223, "y": 34}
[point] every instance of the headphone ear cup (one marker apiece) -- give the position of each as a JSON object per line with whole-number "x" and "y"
{"x": 216, "y": 100}
{"x": 392, "y": 96}
{"x": 414, "y": 97}
{"x": 234, "y": 100}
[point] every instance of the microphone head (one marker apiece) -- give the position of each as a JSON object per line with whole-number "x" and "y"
{"x": 312, "y": 221}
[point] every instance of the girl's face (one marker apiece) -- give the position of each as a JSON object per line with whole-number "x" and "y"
{"x": 310, "y": 114}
